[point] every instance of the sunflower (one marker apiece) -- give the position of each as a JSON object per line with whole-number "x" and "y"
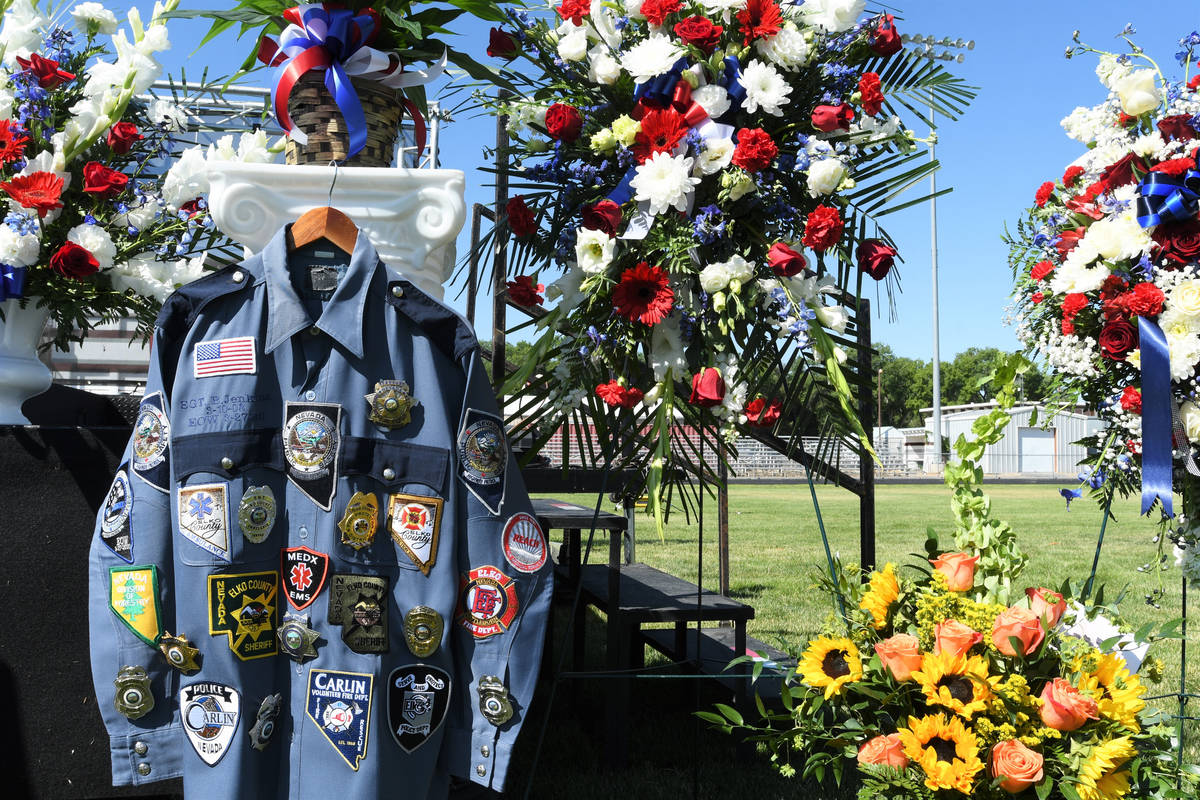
{"x": 1100, "y": 777}
{"x": 883, "y": 591}
{"x": 830, "y": 663}
{"x": 945, "y": 749}
{"x": 1118, "y": 694}
{"x": 960, "y": 683}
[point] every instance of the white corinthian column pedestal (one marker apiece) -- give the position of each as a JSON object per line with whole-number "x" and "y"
{"x": 411, "y": 216}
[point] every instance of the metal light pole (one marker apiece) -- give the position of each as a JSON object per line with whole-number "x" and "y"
{"x": 930, "y": 44}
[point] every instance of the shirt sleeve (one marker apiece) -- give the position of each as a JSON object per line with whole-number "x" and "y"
{"x": 130, "y": 576}
{"x": 504, "y": 562}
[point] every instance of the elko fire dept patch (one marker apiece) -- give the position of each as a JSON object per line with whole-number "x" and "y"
{"x": 245, "y": 607}
{"x": 487, "y": 602}
{"x": 339, "y": 703}
{"x": 209, "y": 713}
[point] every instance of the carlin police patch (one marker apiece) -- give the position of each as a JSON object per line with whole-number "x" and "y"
{"x": 209, "y": 713}
{"x": 204, "y": 517}
{"x": 339, "y": 704}
{"x": 116, "y": 522}
{"x": 487, "y": 602}
{"x": 245, "y": 608}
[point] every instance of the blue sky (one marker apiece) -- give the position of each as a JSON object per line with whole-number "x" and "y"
{"x": 995, "y": 157}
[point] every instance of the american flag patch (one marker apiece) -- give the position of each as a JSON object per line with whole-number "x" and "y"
{"x": 224, "y": 357}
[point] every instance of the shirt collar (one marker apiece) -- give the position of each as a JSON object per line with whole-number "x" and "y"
{"x": 342, "y": 317}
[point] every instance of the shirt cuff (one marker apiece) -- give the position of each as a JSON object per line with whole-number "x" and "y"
{"x": 144, "y": 757}
{"x": 481, "y": 763}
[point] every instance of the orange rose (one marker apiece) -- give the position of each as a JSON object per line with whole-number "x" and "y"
{"x": 1020, "y": 623}
{"x": 1017, "y": 764}
{"x": 959, "y": 569}
{"x": 954, "y": 638}
{"x": 900, "y": 655}
{"x": 1064, "y": 708}
{"x": 884, "y": 750}
{"x": 1047, "y": 603}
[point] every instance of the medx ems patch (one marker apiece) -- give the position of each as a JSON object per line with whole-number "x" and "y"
{"x": 116, "y": 520}
{"x": 417, "y": 701}
{"x": 245, "y": 608}
{"x": 209, "y": 712}
{"x": 133, "y": 597}
{"x": 339, "y": 703}
{"x": 304, "y": 572}
{"x": 152, "y": 442}
{"x": 204, "y": 517}
{"x": 482, "y": 457}
{"x": 311, "y": 439}
{"x": 524, "y": 543}
{"x": 487, "y": 602}
{"x": 414, "y": 521}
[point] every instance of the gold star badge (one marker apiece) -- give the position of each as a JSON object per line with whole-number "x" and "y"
{"x": 391, "y": 404}
{"x": 179, "y": 652}
{"x": 360, "y": 520}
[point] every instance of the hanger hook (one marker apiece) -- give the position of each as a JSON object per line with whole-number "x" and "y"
{"x": 335, "y": 164}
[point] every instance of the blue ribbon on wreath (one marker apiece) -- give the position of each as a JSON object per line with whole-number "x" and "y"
{"x": 1157, "y": 419}
{"x": 1168, "y": 198}
{"x": 12, "y": 282}
{"x": 659, "y": 89}
{"x": 730, "y": 79}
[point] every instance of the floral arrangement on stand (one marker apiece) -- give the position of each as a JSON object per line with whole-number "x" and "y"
{"x": 1107, "y": 285}
{"x": 698, "y": 183}
{"x": 88, "y": 233}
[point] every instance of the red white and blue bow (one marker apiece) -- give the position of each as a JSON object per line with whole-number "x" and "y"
{"x": 12, "y": 282}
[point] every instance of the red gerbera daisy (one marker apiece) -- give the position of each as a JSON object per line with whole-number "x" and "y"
{"x": 524, "y": 292}
{"x": 759, "y": 19}
{"x": 12, "y": 143}
{"x": 644, "y": 294}
{"x": 39, "y": 190}
{"x": 661, "y": 131}
{"x": 615, "y": 394}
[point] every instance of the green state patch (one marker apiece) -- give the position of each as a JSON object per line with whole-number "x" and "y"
{"x": 133, "y": 597}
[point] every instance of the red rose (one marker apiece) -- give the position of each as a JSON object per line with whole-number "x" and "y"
{"x": 886, "y": 40}
{"x": 192, "y": 208}
{"x": 655, "y": 11}
{"x": 830, "y": 118}
{"x": 122, "y": 136}
{"x": 784, "y": 261}
{"x": 1113, "y": 285}
{"x": 1067, "y": 240}
{"x": 1178, "y": 241}
{"x": 1121, "y": 172}
{"x": 1177, "y": 127}
{"x": 871, "y": 93}
{"x": 617, "y": 395}
{"x": 1146, "y": 300}
{"x": 73, "y": 261}
{"x": 520, "y": 219}
{"x": 563, "y": 122}
{"x": 755, "y": 149}
{"x": 1044, "y": 192}
{"x": 46, "y": 70}
{"x": 575, "y": 10}
{"x": 502, "y": 44}
{"x": 102, "y": 181}
{"x": 1040, "y": 270}
{"x": 1117, "y": 338}
{"x": 1131, "y": 400}
{"x": 524, "y": 292}
{"x": 1037, "y": 297}
{"x": 1071, "y": 175}
{"x": 1174, "y": 166}
{"x": 708, "y": 388}
{"x": 760, "y": 19}
{"x": 602, "y": 216}
{"x": 876, "y": 258}
{"x": 38, "y": 190}
{"x": 822, "y": 229}
{"x": 698, "y": 32}
{"x": 760, "y": 414}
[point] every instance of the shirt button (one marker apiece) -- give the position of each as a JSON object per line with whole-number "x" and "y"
{"x": 226, "y": 463}
{"x": 140, "y": 748}
{"x": 303, "y": 532}
{"x": 485, "y": 751}
{"x": 389, "y": 474}
{"x": 397, "y": 291}
{"x": 238, "y": 276}
{"x": 310, "y": 395}
{"x": 314, "y": 330}
{"x": 144, "y": 769}
{"x": 480, "y": 770}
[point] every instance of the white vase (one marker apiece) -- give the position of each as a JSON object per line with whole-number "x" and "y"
{"x": 22, "y": 374}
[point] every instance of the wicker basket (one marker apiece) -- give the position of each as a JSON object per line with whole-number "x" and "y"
{"x": 313, "y": 111}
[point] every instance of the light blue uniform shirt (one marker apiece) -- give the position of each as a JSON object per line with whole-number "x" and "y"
{"x": 230, "y": 351}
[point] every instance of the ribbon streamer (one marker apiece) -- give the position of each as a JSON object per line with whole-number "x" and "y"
{"x": 1157, "y": 420}
{"x": 732, "y": 83}
{"x": 1168, "y": 198}
{"x": 12, "y": 282}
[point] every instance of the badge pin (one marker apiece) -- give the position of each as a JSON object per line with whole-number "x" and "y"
{"x": 487, "y": 602}
{"x": 133, "y": 597}
{"x": 179, "y": 652}
{"x": 256, "y": 513}
{"x": 116, "y": 521}
{"x": 418, "y": 698}
{"x": 304, "y": 572}
{"x": 494, "y": 702}
{"x": 423, "y": 628}
{"x": 359, "y": 522}
{"x": 134, "y": 699}
{"x": 264, "y": 723}
{"x": 204, "y": 517}
{"x": 296, "y": 638}
{"x": 209, "y": 713}
{"x": 245, "y": 607}
{"x": 414, "y": 522}
{"x": 339, "y": 704}
{"x": 311, "y": 440}
{"x": 391, "y": 404}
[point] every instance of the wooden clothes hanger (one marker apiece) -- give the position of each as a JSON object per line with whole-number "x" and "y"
{"x": 324, "y": 222}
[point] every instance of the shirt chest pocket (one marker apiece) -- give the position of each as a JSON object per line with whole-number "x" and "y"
{"x": 408, "y": 482}
{"x": 228, "y": 505}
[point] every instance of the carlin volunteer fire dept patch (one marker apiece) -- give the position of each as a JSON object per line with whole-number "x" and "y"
{"x": 304, "y": 572}
{"x": 152, "y": 442}
{"x": 482, "y": 457}
{"x": 311, "y": 441}
{"x": 524, "y": 543}
{"x": 210, "y": 713}
{"x": 133, "y": 597}
{"x": 116, "y": 520}
{"x": 487, "y": 602}
{"x": 417, "y": 701}
{"x": 204, "y": 517}
{"x": 245, "y": 607}
{"x": 414, "y": 521}
{"x": 339, "y": 704}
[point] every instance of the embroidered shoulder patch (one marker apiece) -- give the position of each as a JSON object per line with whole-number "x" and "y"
{"x": 210, "y": 713}
{"x": 524, "y": 543}
{"x": 152, "y": 442}
{"x": 133, "y": 597}
{"x": 487, "y": 602}
{"x": 116, "y": 519}
{"x": 482, "y": 457}
{"x": 414, "y": 521}
{"x": 204, "y": 517}
{"x": 418, "y": 698}
{"x": 225, "y": 357}
{"x": 245, "y": 607}
{"x": 339, "y": 704}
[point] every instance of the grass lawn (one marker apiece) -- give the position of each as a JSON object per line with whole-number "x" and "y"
{"x": 775, "y": 545}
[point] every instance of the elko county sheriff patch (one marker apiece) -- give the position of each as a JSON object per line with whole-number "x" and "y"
{"x": 245, "y": 607}
{"x": 339, "y": 704}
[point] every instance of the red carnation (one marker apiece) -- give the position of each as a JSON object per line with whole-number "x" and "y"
{"x": 1178, "y": 241}
{"x": 876, "y": 258}
{"x": 661, "y": 130}
{"x": 1121, "y": 172}
{"x": 1174, "y": 166}
{"x": 1037, "y": 297}
{"x": 760, "y": 19}
{"x": 1068, "y": 327}
{"x": 122, "y": 136}
{"x": 886, "y": 40}
{"x": 502, "y": 44}
{"x": 656, "y": 10}
{"x": 575, "y": 10}
{"x": 1131, "y": 400}
{"x": 1040, "y": 270}
{"x": 46, "y": 70}
{"x": 102, "y": 181}
{"x": 1194, "y": 82}
{"x": 74, "y": 261}
{"x": 1146, "y": 300}
{"x": 1117, "y": 338}
{"x": 602, "y": 216}
{"x": 1073, "y": 303}
{"x": 520, "y": 219}
{"x": 524, "y": 292}
{"x": 563, "y": 122}
{"x": 822, "y": 229}
{"x": 12, "y": 142}
{"x": 644, "y": 294}
{"x": 829, "y": 118}
{"x": 699, "y": 32}
{"x": 755, "y": 149}
{"x": 1071, "y": 175}
{"x": 760, "y": 414}
{"x": 617, "y": 395}
{"x": 38, "y": 190}
{"x": 871, "y": 92}
{"x": 708, "y": 388}
{"x": 1043, "y": 194}
{"x": 1068, "y": 240}
{"x": 784, "y": 261}
{"x": 1112, "y": 286}
{"x": 1177, "y": 127}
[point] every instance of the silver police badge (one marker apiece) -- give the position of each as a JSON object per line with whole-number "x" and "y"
{"x": 256, "y": 513}
{"x": 494, "y": 703}
{"x": 264, "y": 725}
{"x": 297, "y": 638}
{"x": 134, "y": 699}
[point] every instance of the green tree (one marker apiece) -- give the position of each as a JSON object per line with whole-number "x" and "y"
{"x": 907, "y": 386}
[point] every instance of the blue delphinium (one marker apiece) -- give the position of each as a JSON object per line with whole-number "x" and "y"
{"x": 59, "y": 44}
{"x": 709, "y": 226}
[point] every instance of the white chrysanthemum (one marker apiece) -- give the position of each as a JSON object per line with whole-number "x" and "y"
{"x": 593, "y": 250}
{"x": 22, "y": 31}
{"x": 1183, "y": 347}
{"x": 765, "y": 88}
{"x": 833, "y": 16}
{"x": 573, "y": 43}
{"x": 18, "y": 249}
{"x": 665, "y": 181}
{"x": 602, "y": 67}
{"x": 95, "y": 239}
{"x": 88, "y": 14}
{"x": 651, "y": 57}
{"x": 1138, "y": 91}
{"x": 1119, "y": 237}
{"x": 788, "y": 48}
{"x": 146, "y": 275}
{"x": 187, "y": 178}
{"x": 666, "y": 349}
{"x": 825, "y": 176}
{"x": 1148, "y": 144}
{"x": 713, "y": 99}
{"x": 1076, "y": 273}
{"x": 716, "y": 156}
